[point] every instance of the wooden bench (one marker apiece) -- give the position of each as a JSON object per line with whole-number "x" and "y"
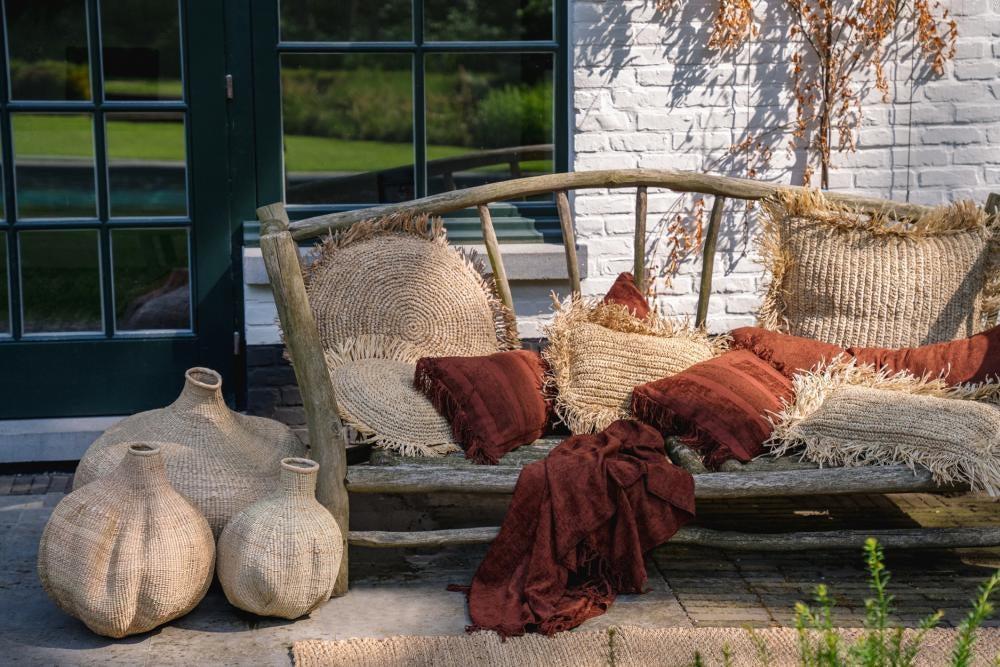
{"x": 388, "y": 473}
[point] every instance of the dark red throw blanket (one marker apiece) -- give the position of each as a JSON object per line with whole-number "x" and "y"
{"x": 578, "y": 526}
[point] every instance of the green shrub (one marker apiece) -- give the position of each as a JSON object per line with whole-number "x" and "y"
{"x": 514, "y": 116}
{"x": 49, "y": 79}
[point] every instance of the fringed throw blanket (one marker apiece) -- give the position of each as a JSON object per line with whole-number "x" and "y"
{"x": 576, "y": 531}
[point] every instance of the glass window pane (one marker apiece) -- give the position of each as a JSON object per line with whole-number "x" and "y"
{"x": 486, "y": 20}
{"x": 47, "y": 44}
{"x": 346, "y": 21}
{"x": 348, "y": 128}
{"x": 489, "y": 118}
{"x": 4, "y": 288}
{"x": 60, "y": 281}
{"x": 54, "y": 165}
{"x": 142, "y": 57}
{"x": 146, "y": 164}
{"x": 151, "y": 279}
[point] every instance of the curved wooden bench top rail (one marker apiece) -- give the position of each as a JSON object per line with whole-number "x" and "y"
{"x": 678, "y": 181}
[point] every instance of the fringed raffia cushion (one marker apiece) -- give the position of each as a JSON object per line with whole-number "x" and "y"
{"x": 846, "y": 278}
{"x": 599, "y": 352}
{"x": 399, "y": 277}
{"x": 373, "y": 382}
{"x": 850, "y": 414}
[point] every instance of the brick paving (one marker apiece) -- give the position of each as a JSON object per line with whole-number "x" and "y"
{"x": 709, "y": 587}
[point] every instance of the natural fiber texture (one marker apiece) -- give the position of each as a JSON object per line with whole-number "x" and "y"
{"x": 618, "y": 646}
{"x": 373, "y": 382}
{"x": 127, "y": 553}
{"x": 281, "y": 555}
{"x": 599, "y": 352}
{"x": 850, "y": 279}
{"x": 221, "y": 460}
{"x": 398, "y": 277}
{"x": 851, "y": 415}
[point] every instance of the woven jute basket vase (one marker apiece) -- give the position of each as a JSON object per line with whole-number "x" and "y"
{"x": 221, "y": 460}
{"x": 280, "y": 556}
{"x": 127, "y": 553}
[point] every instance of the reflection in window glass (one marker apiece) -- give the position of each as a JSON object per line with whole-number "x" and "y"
{"x": 486, "y": 20}
{"x": 60, "y": 281}
{"x": 348, "y": 128}
{"x": 140, "y": 47}
{"x": 47, "y": 45}
{"x": 345, "y": 21}
{"x": 146, "y": 172}
{"x": 489, "y": 118}
{"x": 54, "y": 165}
{"x": 151, "y": 279}
{"x": 4, "y": 289}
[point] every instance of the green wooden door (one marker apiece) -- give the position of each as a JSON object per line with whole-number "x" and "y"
{"x": 115, "y": 243}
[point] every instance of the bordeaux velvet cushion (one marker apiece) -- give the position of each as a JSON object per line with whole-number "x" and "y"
{"x": 624, "y": 292}
{"x": 973, "y": 359}
{"x": 493, "y": 403}
{"x": 787, "y": 353}
{"x": 720, "y": 406}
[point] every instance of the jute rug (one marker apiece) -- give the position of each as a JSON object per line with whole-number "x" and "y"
{"x": 618, "y": 647}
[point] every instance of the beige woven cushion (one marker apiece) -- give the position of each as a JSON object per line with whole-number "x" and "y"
{"x": 598, "y": 353}
{"x": 376, "y": 398}
{"x": 398, "y": 277}
{"x": 851, "y": 415}
{"x": 848, "y": 279}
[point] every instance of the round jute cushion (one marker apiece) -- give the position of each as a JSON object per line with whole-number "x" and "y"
{"x": 281, "y": 555}
{"x": 373, "y": 381}
{"x": 398, "y": 277}
{"x": 127, "y": 553}
{"x": 220, "y": 459}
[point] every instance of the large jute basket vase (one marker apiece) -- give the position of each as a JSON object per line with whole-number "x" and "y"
{"x": 221, "y": 460}
{"x": 280, "y": 556}
{"x": 127, "y": 553}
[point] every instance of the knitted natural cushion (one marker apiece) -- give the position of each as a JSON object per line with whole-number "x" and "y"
{"x": 399, "y": 277}
{"x": 599, "y": 352}
{"x": 851, "y": 414}
{"x": 848, "y": 279}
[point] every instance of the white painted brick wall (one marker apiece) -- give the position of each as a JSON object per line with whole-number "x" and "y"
{"x": 648, "y": 93}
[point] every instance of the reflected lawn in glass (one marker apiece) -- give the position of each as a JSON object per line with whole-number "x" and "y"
{"x": 345, "y": 20}
{"x": 146, "y": 166}
{"x": 54, "y": 165}
{"x": 348, "y": 127}
{"x": 47, "y": 46}
{"x": 4, "y": 288}
{"x": 487, "y": 20}
{"x": 151, "y": 279}
{"x": 60, "y": 281}
{"x": 499, "y": 107}
{"x": 142, "y": 58}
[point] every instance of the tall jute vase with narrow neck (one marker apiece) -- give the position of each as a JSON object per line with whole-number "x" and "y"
{"x": 280, "y": 556}
{"x": 127, "y": 553}
{"x": 223, "y": 461}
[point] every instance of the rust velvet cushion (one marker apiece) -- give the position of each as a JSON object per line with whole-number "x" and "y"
{"x": 493, "y": 403}
{"x": 720, "y": 407}
{"x": 972, "y": 359}
{"x": 787, "y": 353}
{"x": 624, "y": 292}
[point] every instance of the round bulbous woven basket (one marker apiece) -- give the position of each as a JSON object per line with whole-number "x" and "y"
{"x": 221, "y": 460}
{"x": 281, "y": 555}
{"x": 398, "y": 277}
{"x": 127, "y": 553}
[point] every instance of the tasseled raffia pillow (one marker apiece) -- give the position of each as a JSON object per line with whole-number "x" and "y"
{"x": 599, "y": 352}
{"x": 851, "y": 415}
{"x": 851, "y": 279}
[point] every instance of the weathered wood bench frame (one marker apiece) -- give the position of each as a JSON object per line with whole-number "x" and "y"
{"x": 279, "y": 247}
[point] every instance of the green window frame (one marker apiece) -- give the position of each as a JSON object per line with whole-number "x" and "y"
{"x": 527, "y": 221}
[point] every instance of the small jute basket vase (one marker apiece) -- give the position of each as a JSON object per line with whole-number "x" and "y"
{"x": 281, "y": 555}
{"x": 127, "y": 553}
{"x": 221, "y": 460}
